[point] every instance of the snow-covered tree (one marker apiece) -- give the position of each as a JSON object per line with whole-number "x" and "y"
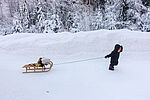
{"x": 145, "y": 21}
{"x": 53, "y": 25}
{"x": 110, "y": 18}
{"x": 134, "y": 15}
{"x": 47, "y": 16}
{"x": 146, "y": 2}
{"x": 80, "y": 18}
{"x": 97, "y": 20}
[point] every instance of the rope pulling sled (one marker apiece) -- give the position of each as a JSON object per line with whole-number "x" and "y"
{"x": 79, "y": 61}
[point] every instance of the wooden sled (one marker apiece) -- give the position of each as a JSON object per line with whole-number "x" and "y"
{"x": 32, "y": 68}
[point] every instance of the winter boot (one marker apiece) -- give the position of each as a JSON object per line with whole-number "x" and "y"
{"x": 111, "y": 67}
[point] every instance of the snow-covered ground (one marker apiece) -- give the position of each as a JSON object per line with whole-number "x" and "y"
{"x": 88, "y": 80}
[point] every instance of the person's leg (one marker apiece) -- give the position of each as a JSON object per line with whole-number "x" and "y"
{"x": 111, "y": 67}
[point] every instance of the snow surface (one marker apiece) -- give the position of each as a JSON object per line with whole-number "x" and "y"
{"x": 87, "y": 80}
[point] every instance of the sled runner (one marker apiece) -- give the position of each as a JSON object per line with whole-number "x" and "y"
{"x": 32, "y": 68}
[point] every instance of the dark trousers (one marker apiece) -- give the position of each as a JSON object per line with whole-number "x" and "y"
{"x": 111, "y": 66}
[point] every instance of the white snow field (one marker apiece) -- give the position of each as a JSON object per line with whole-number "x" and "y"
{"x": 87, "y": 80}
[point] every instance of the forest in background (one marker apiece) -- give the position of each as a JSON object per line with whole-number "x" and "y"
{"x": 52, "y": 16}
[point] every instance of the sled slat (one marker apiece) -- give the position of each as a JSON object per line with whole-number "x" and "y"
{"x": 36, "y": 72}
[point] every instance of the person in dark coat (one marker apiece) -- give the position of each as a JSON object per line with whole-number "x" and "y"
{"x": 39, "y": 63}
{"x": 114, "y": 56}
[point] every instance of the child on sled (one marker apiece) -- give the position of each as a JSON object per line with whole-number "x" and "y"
{"x": 39, "y": 63}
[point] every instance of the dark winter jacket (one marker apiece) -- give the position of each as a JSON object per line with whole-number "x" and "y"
{"x": 39, "y": 64}
{"x": 115, "y": 55}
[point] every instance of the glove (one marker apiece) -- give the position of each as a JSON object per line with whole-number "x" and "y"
{"x": 106, "y": 56}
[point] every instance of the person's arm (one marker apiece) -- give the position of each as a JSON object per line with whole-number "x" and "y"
{"x": 110, "y": 55}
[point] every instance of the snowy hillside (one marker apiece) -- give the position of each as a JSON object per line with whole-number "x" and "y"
{"x": 87, "y": 80}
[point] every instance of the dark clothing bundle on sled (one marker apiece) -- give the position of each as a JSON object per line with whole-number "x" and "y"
{"x": 114, "y": 56}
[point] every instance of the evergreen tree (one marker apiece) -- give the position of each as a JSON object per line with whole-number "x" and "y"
{"x": 46, "y": 16}
{"x": 121, "y": 8}
{"x": 110, "y": 18}
{"x": 97, "y": 20}
{"x": 146, "y": 2}
{"x": 145, "y": 21}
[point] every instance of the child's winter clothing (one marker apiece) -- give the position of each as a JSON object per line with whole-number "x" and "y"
{"x": 39, "y": 63}
{"x": 114, "y": 56}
